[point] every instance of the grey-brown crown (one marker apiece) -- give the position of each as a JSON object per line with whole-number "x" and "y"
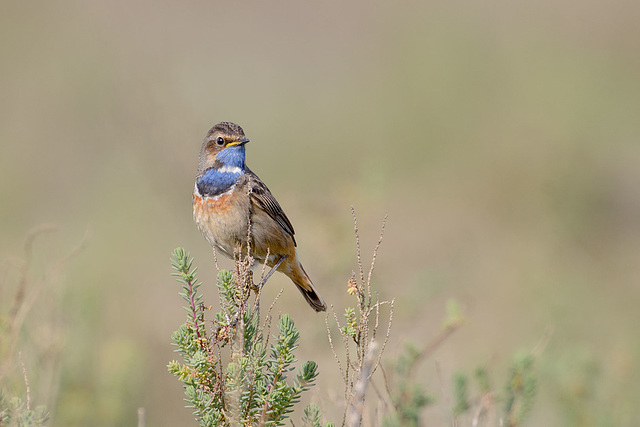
{"x": 226, "y": 128}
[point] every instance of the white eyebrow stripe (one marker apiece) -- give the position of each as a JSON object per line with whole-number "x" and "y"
{"x": 230, "y": 169}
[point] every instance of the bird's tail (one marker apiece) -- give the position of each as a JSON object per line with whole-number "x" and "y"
{"x": 301, "y": 279}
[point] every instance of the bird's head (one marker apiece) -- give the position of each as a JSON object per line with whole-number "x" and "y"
{"x": 223, "y": 146}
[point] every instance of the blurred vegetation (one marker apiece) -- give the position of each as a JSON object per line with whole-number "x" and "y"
{"x": 31, "y": 332}
{"x": 501, "y": 139}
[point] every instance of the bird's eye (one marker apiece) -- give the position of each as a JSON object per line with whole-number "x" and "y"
{"x": 220, "y": 140}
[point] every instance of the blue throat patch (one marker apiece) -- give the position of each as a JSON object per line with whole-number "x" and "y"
{"x": 220, "y": 179}
{"x": 232, "y": 156}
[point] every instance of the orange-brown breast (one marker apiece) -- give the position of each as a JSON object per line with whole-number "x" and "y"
{"x": 222, "y": 220}
{"x": 210, "y": 205}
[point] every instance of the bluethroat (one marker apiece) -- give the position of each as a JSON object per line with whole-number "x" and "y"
{"x": 233, "y": 207}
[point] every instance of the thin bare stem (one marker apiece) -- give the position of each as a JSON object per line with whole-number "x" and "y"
{"x": 359, "y": 258}
{"x": 333, "y": 350}
{"x": 486, "y": 402}
{"x": 26, "y": 380}
{"x": 358, "y": 371}
{"x": 356, "y": 408}
{"x": 345, "y": 341}
{"x": 264, "y": 264}
{"x": 433, "y": 345}
{"x": 267, "y": 319}
{"x": 249, "y": 222}
{"x": 141, "y": 417}
{"x": 386, "y": 338}
{"x": 29, "y": 290}
{"x": 28, "y": 258}
{"x": 542, "y": 344}
{"x": 386, "y": 379}
{"x": 215, "y": 258}
{"x": 77, "y": 250}
{"x": 445, "y": 395}
{"x": 375, "y": 254}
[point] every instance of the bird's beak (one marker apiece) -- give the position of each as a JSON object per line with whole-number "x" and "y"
{"x": 241, "y": 141}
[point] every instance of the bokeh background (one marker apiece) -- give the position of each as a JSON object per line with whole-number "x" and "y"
{"x": 501, "y": 138}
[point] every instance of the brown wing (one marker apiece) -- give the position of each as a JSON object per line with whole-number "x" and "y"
{"x": 261, "y": 196}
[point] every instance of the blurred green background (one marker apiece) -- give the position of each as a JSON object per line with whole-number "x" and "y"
{"x": 502, "y": 138}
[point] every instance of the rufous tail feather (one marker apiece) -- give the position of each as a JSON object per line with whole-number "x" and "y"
{"x": 308, "y": 291}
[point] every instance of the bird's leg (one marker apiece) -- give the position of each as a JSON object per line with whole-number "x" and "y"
{"x": 257, "y": 288}
{"x": 273, "y": 270}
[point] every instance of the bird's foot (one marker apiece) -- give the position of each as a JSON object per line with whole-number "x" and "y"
{"x": 270, "y": 273}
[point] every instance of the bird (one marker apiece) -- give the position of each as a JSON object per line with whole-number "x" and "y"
{"x": 233, "y": 207}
